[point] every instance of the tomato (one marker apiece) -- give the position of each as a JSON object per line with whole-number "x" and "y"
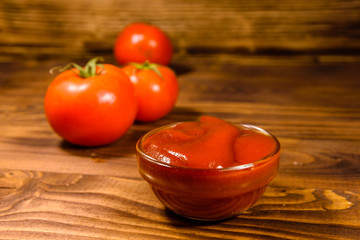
{"x": 156, "y": 89}
{"x": 139, "y": 42}
{"x": 90, "y": 106}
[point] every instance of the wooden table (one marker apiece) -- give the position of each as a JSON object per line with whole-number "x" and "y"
{"x": 50, "y": 189}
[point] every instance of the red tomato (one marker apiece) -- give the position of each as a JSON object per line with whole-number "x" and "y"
{"x": 156, "y": 89}
{"x": 139, "y": 42}
{"x": 91, "y": 110}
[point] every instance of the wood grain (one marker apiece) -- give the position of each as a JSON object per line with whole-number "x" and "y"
{"x": 37, "y": 29}
{"x": 290, "y": 67}
{"x": 50, "y": 189}
{"x": 53, "y": 206}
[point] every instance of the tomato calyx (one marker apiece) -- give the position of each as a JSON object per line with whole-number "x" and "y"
{"x": 147, "y": 66}
{"x": 90, "y": 69}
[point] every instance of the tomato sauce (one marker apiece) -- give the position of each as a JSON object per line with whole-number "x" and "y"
{"x": 209, "y": 143}
{"x": 210, "y": 169}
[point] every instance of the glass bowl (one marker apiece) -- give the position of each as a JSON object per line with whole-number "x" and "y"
{"x": 205, "y": 193}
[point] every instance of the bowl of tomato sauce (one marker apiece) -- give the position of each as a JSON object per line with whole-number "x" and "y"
{"x": 208, "y": 169}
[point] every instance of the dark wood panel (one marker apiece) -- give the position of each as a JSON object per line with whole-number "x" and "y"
{"x": 35, "y": 29}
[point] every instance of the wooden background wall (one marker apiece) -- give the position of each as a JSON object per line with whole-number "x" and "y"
{"x": 43, "y": 29}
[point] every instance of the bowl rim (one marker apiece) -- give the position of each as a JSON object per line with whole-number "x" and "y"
{"x": 251, "y": 165}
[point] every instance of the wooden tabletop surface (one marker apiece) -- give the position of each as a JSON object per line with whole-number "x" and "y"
{"x": 50, "y": 189}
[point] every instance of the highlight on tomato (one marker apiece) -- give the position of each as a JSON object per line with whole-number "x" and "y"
{"x": 139, "y": 42}
{"x": 156, "y": 89}
{"x": 92, "y": 105}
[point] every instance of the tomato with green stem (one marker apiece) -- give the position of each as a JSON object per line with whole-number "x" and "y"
{"x": 156, "y": 89}
{"x": 139, "y": 42}
{"x": 90, "y": 106}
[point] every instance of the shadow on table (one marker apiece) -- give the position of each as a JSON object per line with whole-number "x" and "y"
{"x": 125, "y": 146}
{"x": 178, "y": 220}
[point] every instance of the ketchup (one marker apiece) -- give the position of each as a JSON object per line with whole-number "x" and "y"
{"x": 208, "y": 170}
{"x": 209, "y": 143}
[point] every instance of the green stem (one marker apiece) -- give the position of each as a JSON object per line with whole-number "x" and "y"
{"x": 88, "y": 71}
{"x": 147, "y": 66}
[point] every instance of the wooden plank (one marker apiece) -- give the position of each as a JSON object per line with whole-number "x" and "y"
{"x": 52, "y": 190}
{"x": 47, "y": 29}
{"x": 49, "y": 205}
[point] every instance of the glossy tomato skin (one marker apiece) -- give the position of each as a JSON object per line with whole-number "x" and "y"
{"x": 139, "y": 42}
{"x": 91, "y": 111}
{"x": 156, "y": 95}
